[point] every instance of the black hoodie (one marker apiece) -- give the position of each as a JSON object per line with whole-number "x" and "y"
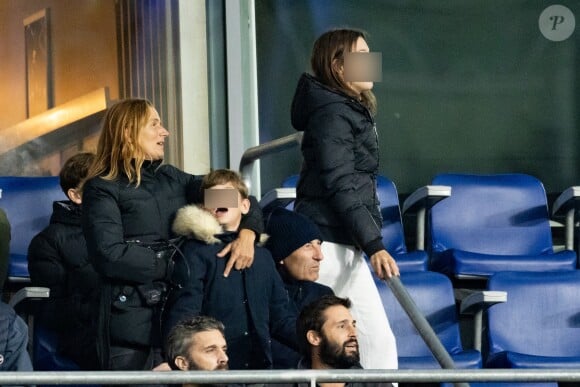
{"x": 337, "y": 186}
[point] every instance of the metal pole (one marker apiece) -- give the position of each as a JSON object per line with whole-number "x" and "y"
{"x": 422, "y": 325}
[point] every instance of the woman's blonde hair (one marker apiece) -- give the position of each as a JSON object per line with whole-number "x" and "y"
{"x": 119, "y": 150}
{"x": 328, "y": 57}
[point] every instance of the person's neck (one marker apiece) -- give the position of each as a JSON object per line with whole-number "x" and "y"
{"x": 232, "y": 227}
{"x": 317, "y": 364}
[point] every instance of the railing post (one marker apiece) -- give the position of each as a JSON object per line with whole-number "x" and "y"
{"x": 256, "y": 152}
{"x": 422, "y": 325}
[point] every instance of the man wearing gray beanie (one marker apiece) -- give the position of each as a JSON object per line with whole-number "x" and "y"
{"x": 294, "y": 242}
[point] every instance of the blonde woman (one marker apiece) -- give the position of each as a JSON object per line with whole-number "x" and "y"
{"x": 129, "y": 201}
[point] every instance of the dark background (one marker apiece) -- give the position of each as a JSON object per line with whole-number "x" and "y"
{"x": 468, "y": 86}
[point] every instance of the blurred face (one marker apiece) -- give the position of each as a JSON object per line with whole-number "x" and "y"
{"x": 207, "y": 353}
{"x": 152, "y": 137}
{"x": 304, "y": 263}
{"x": 337, "y": 342}
{"x": 358, "y": 87}
{"x": 227, "y": 215}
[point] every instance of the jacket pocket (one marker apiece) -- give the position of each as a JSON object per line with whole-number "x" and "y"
{"x": 130, "y": 320}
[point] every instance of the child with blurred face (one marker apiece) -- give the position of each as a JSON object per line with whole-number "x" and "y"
{"x": 225, "y": 198}
{"x": 252, "y": 303}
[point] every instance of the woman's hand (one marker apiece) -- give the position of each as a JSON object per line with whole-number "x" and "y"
{"x": 384, "y": 265}
{"x": 242, "y": 250}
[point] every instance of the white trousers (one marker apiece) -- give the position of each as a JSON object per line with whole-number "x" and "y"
{"x": 344, "y": 270}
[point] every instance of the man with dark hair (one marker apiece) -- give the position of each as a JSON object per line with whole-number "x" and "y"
{"x": 295, "y": 244}
{"x": 197, "y": 343}
{"x": 328, "y": 338}
{"x": 58, "y": 259}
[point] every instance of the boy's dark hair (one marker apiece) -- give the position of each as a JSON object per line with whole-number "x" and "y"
{"x": 181, "y": 336}
{"x": 75, "y": 170}
{"x": 224, "y": 176}
{"x": 312, "y": 319}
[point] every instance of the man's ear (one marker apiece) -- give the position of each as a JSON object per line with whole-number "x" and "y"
{"x": 245, "y": 206}
{"x": 74, "y": 195}
{"x": 182, "y": 363}
{"x": 313, "y": 338}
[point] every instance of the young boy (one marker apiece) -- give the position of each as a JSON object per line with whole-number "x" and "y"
{"x": 252, "y": 303}
{"x": 58, "y": 259}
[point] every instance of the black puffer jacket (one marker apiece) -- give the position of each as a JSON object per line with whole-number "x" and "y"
{"x": 300, "y": 293}
{"x": 118, "y": 219}
{"x": 337, "y": 186}
{"x": 58, "y": 259}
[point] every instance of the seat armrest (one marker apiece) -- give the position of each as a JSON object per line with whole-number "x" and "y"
{"x": 481, "y": 300}
{"x": 29, "y": 292}
{"x": 570, "y": 198}
{"x": 426, "y": 196}
{"x": 278, "y": 197}
{"x": 475, "y": 304}
{"x": 568, "y": 203}
{"x": 422, "y": 200}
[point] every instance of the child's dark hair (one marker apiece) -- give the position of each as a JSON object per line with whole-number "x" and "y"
{"x": 75, "y": 170}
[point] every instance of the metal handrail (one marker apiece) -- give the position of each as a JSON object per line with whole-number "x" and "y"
{"x": 289, "y": 376}
{"x": 256, "y": 152}
{"x": 422, "y": 325}
{"x": 403, "y": 297}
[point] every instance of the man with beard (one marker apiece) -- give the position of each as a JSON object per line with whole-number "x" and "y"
{"x": 197, "y": 343}
{"x": 328, "y": 338}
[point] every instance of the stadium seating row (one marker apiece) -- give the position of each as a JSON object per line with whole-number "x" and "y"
{"x": 476, "y": 225}
{"x": 472, "y": 226}
{"x": 505, "y": 225}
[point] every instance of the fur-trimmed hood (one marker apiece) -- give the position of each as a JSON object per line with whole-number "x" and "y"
{"x": 193, "y": 221}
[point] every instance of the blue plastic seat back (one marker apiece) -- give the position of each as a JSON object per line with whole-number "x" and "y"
{"x": 541, "y": 316}
{"x": 291, "y": 181}
{"x": 392, "y": 231}
{"x": 45, "y": 355}
{"x": 28, "y": 205}
{"x": 491, "y": 214}
{"x": 433, "y": 295}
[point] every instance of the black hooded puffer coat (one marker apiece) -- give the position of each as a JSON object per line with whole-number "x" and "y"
{"x": 337, "y": 185}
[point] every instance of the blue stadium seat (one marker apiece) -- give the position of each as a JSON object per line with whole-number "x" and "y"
{"x": 291, "y": 181}
{"x": 392, "y": 231}
{"x": 493, "y": 223}
{"x": 44, "y": 350}
{"x": 539, "y": 325}
{"x": 28, "y": 205}
{"x": 433, "y": 295}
